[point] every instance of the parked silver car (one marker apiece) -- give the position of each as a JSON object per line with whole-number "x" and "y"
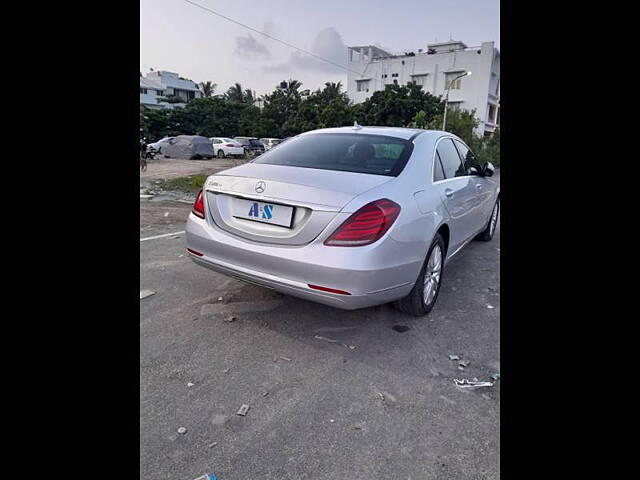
{"x": 349, "y": 217}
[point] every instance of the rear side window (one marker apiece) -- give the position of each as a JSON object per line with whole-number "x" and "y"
{"x": 438, "y": 173}
{"x": 451, "y": 163}
{"x": 349, "y": 152}
{"x": 468, "y": 156}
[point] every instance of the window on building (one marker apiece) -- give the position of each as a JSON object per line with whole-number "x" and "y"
{"x": 498, "y": 117}
{"x": 362, "y": 85}
{"x": 451, "y": 163}
{"x": 449, "y": 80}
{"x": 395, "y": 81}
{"x": 438, "y": 172}
{"x": 497, "y": 87}
{"x": 160, "y": 93}
{"x": 143, "y": 91}
{"x": 419, "y": 79}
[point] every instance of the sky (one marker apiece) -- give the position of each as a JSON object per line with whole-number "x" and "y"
{"x": 180, "y": 37}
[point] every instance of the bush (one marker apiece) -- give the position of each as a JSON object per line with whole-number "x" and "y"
{"x": 487, "y": 149}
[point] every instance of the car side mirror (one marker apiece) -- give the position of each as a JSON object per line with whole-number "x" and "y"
{"x": 473, "y": 171}
{"x": 488, "y": 169}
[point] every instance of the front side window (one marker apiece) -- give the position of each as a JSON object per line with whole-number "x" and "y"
{"x": 468, "y": 157}
{"x": 451, "y": 163}
{"x": 349, "y": 152}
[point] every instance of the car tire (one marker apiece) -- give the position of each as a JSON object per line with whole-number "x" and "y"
{"x": 487, "y": 234}
{"x": 221, "y": 154}
{"x": 419, "y": 302}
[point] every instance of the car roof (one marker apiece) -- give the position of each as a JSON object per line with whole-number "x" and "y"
{"x": 398, "y": 132}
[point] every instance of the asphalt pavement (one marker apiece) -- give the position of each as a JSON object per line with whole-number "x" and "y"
{"x": 361, "y": 402}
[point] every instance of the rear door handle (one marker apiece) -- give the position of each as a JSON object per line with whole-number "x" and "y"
{"x": 478, "y": 186}
{"x": 448, "y": 192}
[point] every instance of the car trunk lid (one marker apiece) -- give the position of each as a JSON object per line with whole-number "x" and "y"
{"x": 256, "y": 201}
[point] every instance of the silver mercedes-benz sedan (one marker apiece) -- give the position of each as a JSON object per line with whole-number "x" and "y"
{"x": 349, "y": 217}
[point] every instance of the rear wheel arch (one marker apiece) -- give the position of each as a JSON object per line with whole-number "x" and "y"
{"x": 444, "y": 232}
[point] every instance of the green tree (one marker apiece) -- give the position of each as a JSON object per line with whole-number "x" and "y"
{"x": 282, "y": 108}
{"x": 397, "y": 106}
{"x": 487, "y": 149}
{"x": 235, "y": 93}
{"x": 459, "y": 122}
{"x": 208, "y": 88}
{"x": 337, "y": 114}
{"x": 154, "y": 123}
{"x": 419, "y": 120}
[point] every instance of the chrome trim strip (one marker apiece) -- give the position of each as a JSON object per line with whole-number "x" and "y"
{"x": 281, "y": 201}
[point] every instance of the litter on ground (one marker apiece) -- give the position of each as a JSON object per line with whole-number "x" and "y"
{"x": 454, "y": 357}
{"x": 330, "y": 340}
{"x": 471, "y": 384}
{"x": 146, "y": 293}
{"x": 182, "y": 430}
{"x": 243, "y": 410}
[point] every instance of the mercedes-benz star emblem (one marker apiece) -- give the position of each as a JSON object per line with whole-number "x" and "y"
{"x": 260, "y": 187}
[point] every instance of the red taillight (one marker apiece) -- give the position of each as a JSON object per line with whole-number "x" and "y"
{"x": 198, "y": 206}
{"x": 194, "y": 252}
{"x": 327, "y": 289}
{"x": 229, "y": 145}
{"x": 366, "y": 225}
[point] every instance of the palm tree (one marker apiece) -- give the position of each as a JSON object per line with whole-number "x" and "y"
{"x": 249, "y": 97}
{"x": 332, "y": 90}
{"x": 293, "y": 87}
{"x": 208, "y": 88}
{"x": 235, "y": 93}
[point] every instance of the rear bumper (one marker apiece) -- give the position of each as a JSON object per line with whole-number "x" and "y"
{"x": 232, "y": 151}
{"x": 291, "y": 269}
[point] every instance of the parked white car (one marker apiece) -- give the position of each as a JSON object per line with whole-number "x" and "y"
{"x": 225, "y": 147}
{"x": 157, "y": 146}
{"x": 269, "y": 143}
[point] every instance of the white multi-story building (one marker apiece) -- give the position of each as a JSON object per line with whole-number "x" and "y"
{"x": 164, "y": 84}
{"x": 434, "y": 70}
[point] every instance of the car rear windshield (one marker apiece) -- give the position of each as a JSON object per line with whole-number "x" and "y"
{"x": 349, "y": 152}
{"x": 255, "y": 143}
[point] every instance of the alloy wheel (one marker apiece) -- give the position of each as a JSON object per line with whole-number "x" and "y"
{"x": 432, "y": 275}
